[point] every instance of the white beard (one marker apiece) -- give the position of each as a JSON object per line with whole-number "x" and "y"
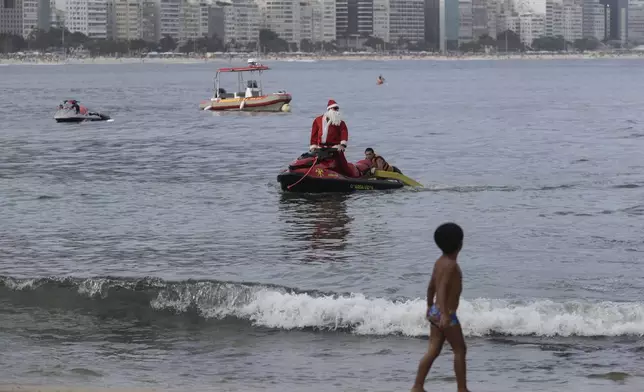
{"x": 334, "y": 117}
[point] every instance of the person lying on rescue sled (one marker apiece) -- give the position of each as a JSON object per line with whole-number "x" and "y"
{"x": 329, "y": 130}
{"x": 373, "y": 162}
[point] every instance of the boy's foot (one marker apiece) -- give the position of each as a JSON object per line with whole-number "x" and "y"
{"x": 418, "y": 389}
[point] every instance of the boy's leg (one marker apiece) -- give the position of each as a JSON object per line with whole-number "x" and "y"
{"x": 454, "y": 336}
{"x": 436, "y": 340}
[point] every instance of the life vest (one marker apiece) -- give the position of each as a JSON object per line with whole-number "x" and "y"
{"x": 385, "y": 165}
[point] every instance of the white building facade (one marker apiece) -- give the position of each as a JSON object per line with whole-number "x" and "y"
{"x": 242, "y": 22}
{"x": 407, "y": 20}
{"x": 381, "y": 19}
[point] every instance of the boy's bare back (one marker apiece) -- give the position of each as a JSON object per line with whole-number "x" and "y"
{"x": 447, "y": 275}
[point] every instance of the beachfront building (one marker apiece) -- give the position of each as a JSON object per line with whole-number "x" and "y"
{"x": 406, "y": 20}
{"x": 329, "y": 22}
{"x": 572, "y": 20}
{"x": 216, "y": 20}
{"x": 282, "y": 17}
{"x": 88, "y": 17}
{"x": 465, "y": 32}
{"x": 353, "y": 19}
{"x": 616, "y": 12}
{"x": 479, "y": 19}
{"x": 450, "y": 19}
{"x": 317, "y": 20}
{"x": 636, "y": 21}
{"x": 593, "y": 22}
{"x": 554, "y": 18}
{"x": 564, "y": 18}
{"x": 242, "y": 22}
{"x": 310, "y": 13}
{"x": 36, "y": 15}
{"x": 530, "y": 27}
{"x": 432, "y": 24}
{"x": 57, "y": 16}
{"x": 194, "y": 20}
{"x": 124, "y": 19}
{"x": 11, "y": 17}
{"x": 132, "y": 19}
{"x": 381, "y": 19}
{"x": 149, "y": 21}
{"x": 169, "y": 17}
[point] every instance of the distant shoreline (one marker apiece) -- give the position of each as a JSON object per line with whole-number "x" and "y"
{"x": 314, "y": 58}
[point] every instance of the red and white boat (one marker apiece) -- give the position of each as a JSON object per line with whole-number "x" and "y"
{"x": 249, "y": 96}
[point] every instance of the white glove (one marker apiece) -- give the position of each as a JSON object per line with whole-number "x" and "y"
{"x": 340, "y": 147}
{"x": 313, "y": 147}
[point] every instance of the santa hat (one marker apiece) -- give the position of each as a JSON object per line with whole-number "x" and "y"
{"x": 332, "y": 104}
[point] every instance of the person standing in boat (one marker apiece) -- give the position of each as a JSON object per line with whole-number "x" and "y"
{"x": 329, "y": 130}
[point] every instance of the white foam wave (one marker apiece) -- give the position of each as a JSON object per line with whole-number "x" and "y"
{"x": 280, "y": 308}
{"x": 479, "y": 317}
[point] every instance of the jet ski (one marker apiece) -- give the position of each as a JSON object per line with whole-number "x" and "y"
{"x": 72, "y": 111}
{"x": 315, "y": 172}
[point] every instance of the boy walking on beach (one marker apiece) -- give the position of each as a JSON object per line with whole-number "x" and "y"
{"x": 446, "y": 283}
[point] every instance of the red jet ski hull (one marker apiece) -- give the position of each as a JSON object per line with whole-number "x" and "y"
{"x": 306, "y": 177}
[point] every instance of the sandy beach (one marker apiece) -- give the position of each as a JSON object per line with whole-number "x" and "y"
{"x": 316, "y": 58}
{"x": 69, "y": 388}
{"x": 50, "y": 388}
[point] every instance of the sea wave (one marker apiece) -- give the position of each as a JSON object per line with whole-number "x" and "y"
{"x": 287, "y": 308}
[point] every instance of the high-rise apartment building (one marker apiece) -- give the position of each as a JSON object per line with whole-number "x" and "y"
{"x": 564, "y": 18}
{"x": 479, "y": 18}
{"x": 87, "y": 16}
{"x": 170, "y": 18}
{"x": 354, "y": 18}
{"x": 36, "y": 15}
{"x": 381, "y": 18}
{"x": 242, "y": 22}
{"x": 617, "y": 17}
{"x": 636, "y": 21}
{"x": 465, "y": 32}
{"x": 407, "y": 20}
{"x": 329, "y": 20}
{"x": 572, "y": 19}
{"x": 124, "y": 19}
{"x": 11, "y": 17}
{"x": 594, "y": 23}
{"x": 282, "y": 17}
{"x": 530, "y": 27}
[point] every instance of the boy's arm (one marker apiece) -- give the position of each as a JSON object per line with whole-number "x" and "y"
{"x": 431, "y": 291}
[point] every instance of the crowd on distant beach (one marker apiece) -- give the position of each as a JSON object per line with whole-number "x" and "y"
{"x": 49, "y": 58}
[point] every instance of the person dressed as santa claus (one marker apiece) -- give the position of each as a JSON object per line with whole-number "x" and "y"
{"x": 329, "y": 130}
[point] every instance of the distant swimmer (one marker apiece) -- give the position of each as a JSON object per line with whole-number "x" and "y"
{"x": 380, "y": 80}
{"x": 446, "y": 283}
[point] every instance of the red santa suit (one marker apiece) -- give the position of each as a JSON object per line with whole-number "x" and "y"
{"x": 325, "y": 134}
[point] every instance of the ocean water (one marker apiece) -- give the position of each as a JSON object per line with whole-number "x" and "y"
{"x": 158, "y": 250}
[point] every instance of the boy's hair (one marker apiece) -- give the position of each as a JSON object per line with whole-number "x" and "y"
{"x": 449, "y": 237}
{"x": 369, "y": 149}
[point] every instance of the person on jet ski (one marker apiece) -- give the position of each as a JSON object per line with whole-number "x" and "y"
{"x": 329, "y": 130}
{"x": 74, "y": 105}
{"x": 378, "y": 162}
